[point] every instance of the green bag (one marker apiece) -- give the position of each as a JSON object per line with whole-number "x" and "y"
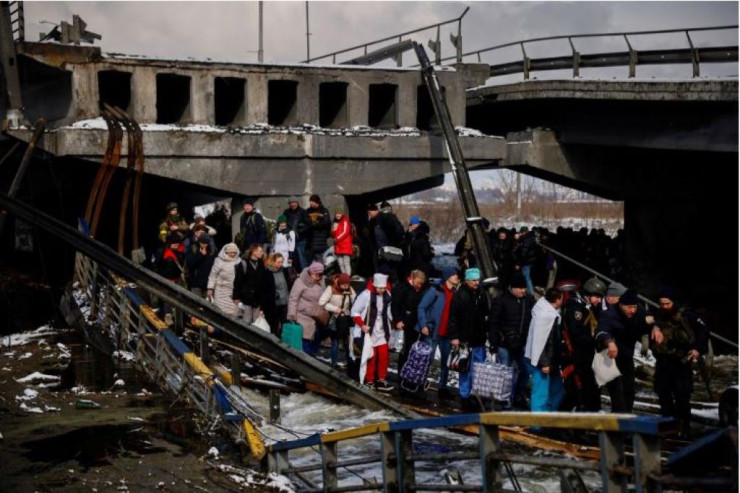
{"x": 293, "y": 335}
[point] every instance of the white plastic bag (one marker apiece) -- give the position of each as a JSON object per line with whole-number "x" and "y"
{"x": 261, "y": 322}
{"x": 605, "y": 368}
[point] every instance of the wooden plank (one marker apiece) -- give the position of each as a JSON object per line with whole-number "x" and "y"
{"x": 362, "y": 431}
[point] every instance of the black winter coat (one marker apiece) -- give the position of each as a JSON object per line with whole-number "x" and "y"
{"x": 404, "y": 304}
{"x": 525, "y": 253}
{"x": 247, "y": 284}
{"x": 508, "y": 323}
{"x": 297, "y": 221}
{"x": 468, "y": 313}
{"x": 267, "y": 290}
{"x": 625, "y": 332}
{"x": 319, "y": 227}
{"x": 198, "y": 267}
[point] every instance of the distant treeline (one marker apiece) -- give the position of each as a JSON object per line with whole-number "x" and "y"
{"x": 447, "y": 224}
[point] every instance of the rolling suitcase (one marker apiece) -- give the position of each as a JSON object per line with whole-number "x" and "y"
{"x": 293, "y": 335}
{"x": 414, "y": 371}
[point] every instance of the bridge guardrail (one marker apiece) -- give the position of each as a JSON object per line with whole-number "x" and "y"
{"x": 630, "y": 58}
{"x": 397, "y": 456}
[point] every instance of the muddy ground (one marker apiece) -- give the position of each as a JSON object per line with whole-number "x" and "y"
{"x": 137, "y": 440}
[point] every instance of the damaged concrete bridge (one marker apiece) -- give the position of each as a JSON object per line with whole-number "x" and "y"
{"x": 264, "y": 130}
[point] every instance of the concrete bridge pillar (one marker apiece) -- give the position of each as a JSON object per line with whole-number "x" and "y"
{"x": 257, "y": 99}
{"x": 143, "y": 99}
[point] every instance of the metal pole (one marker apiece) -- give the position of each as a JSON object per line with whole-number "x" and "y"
{"x": 38, "y": 131}
{"x": 308, "y": 34}
{"x": 518, "y": 197}
{"x": 275, "y": 406}
{"x": 9, "y": 64}
{"x": 459, "y": 172}
{"x": 260, "y": 51}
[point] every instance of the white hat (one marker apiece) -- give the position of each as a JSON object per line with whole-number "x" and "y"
{"x": 380, "y": 280}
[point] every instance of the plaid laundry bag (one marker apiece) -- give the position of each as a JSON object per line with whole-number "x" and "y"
{"x": 493, "y": 379}
{"x": 414, "y": 371}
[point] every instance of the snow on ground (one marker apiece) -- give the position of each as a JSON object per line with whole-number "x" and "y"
{"x": 25, "y": 337}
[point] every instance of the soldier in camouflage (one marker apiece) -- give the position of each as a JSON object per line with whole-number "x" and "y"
{"x": 685, "y": 338}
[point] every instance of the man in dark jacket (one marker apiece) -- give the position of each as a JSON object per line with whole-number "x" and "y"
{"x": 580, "y": 318}
{"x": 417, "y": 250}
{"x": 525, "y": 255}
{"x": 385, "y": 231}
{"x": 620, "y": 327}
{"x": 508, "y": 326}
{"x": 501, "y": 251}
{"x": 252, "y": 227}
{"x": 317, "y": 230}
{"x": 248, "y": 282}
{"x": 467, "y": 326}
{"x": 199, "y": 259}
{"x": 298, "y": 222}
{"x": 685, "y": 339}
{"x": 404, "y": 305}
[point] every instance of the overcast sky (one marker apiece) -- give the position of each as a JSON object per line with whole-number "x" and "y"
{"x": 228, "y": 31}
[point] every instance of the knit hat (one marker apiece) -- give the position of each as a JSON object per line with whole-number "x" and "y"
{"x": 523, "y": 229}
{"x": 282, "y": 219}
{"x": 343, "y": 278}
{"x": 316, "y": 268}
{"x": 472, "y": 274}
{"x": 629, "y": 297}
{"x": 668, "y": 292}
{"x": 615, "y": 289}
{"x": 448, "y": 272}
{"x": 518, "y": 280}
{"x": 293, "y": 198}
{"x": 380, "y": 280}
{"x": 371, "y": 207}
{"x": 314, "y": 198}
{"x": 248, "y": 200}
{"x": 386, "y": 207}
{"x": 170, "y": 206}
{"x": 414, "y": 220}
{"x": 204, "y": 239}
{"x": 174, "y": 237}
{"x": 338, "y": 210}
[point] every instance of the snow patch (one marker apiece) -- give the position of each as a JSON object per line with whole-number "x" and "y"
{"x": 38, "y": 377}
{"x": 36, "y": 410}
{"x": 28, "y": 394}
{"x": 25, "y": 337}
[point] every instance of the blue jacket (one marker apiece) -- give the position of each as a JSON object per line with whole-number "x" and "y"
{"x": 430, "y": 308}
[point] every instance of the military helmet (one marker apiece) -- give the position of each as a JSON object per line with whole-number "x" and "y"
{"x": 595, "y": 286}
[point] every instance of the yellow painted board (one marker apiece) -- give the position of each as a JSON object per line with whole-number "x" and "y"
{"x": 336, "y": 436}
{"x": 582, "y": 421}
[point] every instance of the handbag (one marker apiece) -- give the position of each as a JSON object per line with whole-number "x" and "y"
{"x": 493, "y": 379}
{"x": 459, "y": 359}
{"x": 322, "y": 317}
{"x": 343, "y": 323}
{"x": 605, "y": 368}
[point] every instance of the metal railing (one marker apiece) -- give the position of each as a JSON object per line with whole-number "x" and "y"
{"x": 111, "y": 306}
{"x": 618, "y": 468}
{"x": 631, "y": 58}
{"x": 436, "y": 46}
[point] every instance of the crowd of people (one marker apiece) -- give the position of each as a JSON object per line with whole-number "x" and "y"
{"x": 549, "y": 335}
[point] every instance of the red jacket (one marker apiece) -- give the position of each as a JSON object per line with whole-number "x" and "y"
{"x": 342, "y": 235}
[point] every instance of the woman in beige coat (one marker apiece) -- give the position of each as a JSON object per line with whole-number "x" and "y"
{"x": 221, "y": 278}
